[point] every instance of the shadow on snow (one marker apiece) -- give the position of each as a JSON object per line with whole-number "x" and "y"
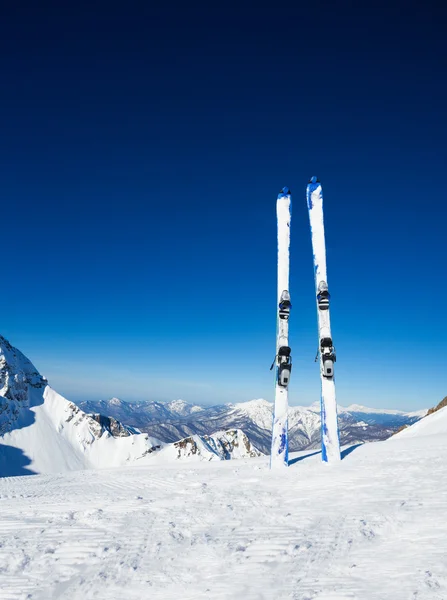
{"x": 13, "y": 462}
{"x": 347, "y": 451}
{"x": 343, "y": 454}
{"x": 300, "y": 458}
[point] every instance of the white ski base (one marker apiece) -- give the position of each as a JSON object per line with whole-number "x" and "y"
{"x": 369, "y": 528}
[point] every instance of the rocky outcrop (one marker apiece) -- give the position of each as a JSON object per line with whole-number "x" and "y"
{"x": 17, "y": 376}
{"x": 222, "y": 445}
{"x": 437, "y": 407}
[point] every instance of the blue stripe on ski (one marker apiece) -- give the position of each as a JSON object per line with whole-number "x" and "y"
{"x": 284, "y": 446}
{"x": 311, "y": 187}
{"x": 323, "y": 431}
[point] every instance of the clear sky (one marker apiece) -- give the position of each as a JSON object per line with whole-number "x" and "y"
{"x": 141, "y": 154}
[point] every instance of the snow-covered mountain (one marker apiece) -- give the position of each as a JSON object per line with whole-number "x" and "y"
{"x": 42, "y": 432}
{"x": 357, "y": 423}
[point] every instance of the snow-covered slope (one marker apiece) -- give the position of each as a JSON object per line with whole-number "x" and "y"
{"x": 368, "y": 528}
{"x": 433, "y": 424}
{"x": 55, "y": 435}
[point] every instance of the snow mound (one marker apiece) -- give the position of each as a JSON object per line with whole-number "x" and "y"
{"x": 434, "y": 424}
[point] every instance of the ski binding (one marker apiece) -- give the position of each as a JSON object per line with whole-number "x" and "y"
{"x": 328, "y": 357}
{"x": 284, "y": 358}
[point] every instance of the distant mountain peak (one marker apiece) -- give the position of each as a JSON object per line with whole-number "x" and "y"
{"x": 182, "y": 408}
{"x": 115, "y": 402}
{"x": 256, "y": 403}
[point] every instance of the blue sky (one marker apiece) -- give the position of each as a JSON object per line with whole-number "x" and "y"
{"x": 141, "y": 157}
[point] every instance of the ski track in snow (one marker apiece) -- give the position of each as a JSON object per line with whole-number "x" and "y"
{"x": 369, "y": 528}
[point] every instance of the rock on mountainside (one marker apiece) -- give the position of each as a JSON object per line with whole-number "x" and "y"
{"x": 442, "y": 404}
{"x": 42, "y": 432}
{"x": 357, "y": 423}
{"x": 17, "y": 376}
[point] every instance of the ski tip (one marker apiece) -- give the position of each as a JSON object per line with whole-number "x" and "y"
{"x": 312, "y": 186}
{"x": 284, "y": 192}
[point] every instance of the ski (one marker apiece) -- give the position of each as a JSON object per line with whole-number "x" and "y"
{"x": 283, "y": 359}
{"x": 330, "y": 444}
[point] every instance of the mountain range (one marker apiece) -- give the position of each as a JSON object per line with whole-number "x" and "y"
{"x": 178, "y": 419}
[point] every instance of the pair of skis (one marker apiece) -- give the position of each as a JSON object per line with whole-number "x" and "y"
{"x": 283, "y": 359}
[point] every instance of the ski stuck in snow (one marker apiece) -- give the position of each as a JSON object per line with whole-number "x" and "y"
{"x": 283, "y": 358}
{"x": 330, "y": 445}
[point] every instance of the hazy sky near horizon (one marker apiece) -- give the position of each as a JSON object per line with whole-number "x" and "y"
{"x": 141, "y": 154}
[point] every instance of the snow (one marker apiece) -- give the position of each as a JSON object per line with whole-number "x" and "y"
{"x": 370, "y": 527}
{"x": 116, "y": 401}
{"x": 260, "y": 411}
{"x": 180, "y": 407}
{"x": 55, "y": 435}
{"x": 434, "y": 424}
